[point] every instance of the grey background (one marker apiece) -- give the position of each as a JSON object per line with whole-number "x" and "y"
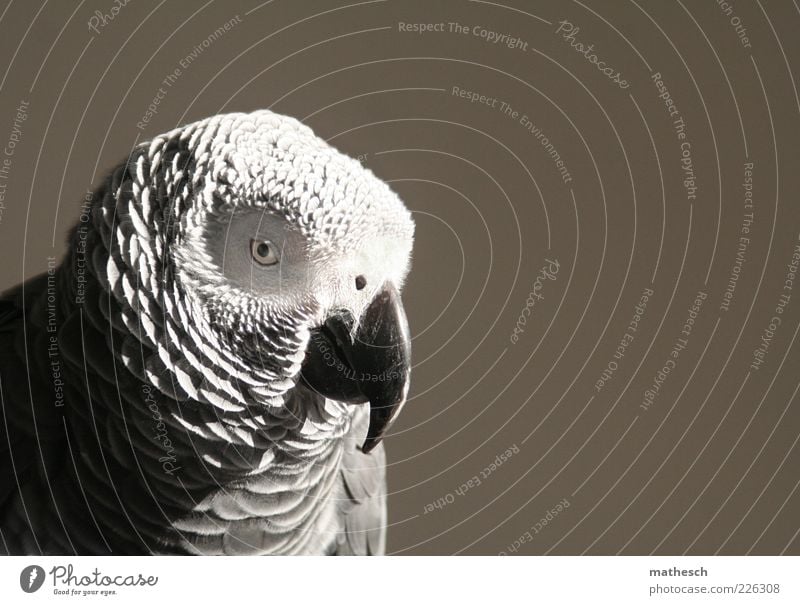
{"x": 711, "y": 466}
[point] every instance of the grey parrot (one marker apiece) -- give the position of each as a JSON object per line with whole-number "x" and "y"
{"x": 212, "y": 366}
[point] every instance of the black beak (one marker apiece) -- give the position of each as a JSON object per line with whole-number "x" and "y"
{"x": 372, "y": 365}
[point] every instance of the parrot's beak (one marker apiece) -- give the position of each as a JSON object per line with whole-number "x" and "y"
{"x": 372, "y": 365}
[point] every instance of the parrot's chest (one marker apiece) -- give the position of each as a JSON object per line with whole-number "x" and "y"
{"x": 289, "y": 509}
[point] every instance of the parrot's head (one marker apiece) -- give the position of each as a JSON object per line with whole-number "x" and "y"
{"x": 274, "y": 261}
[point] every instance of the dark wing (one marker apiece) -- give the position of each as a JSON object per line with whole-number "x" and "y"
{"x": 27, "y": 392}
{"x": 53, "y": 497}
{"x": 363, "y": 507}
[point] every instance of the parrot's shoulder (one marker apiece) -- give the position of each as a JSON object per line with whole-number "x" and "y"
{"x": 29, "y": 369}
{"x": 26, "y": 393}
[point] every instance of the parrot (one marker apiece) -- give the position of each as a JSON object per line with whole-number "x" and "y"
{"x": 212, "y": 366}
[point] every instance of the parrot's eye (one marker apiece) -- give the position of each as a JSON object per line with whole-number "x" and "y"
{"x": 263, "y": 251}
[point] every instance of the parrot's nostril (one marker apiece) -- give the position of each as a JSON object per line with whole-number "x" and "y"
{"x": 361, "y": 282}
